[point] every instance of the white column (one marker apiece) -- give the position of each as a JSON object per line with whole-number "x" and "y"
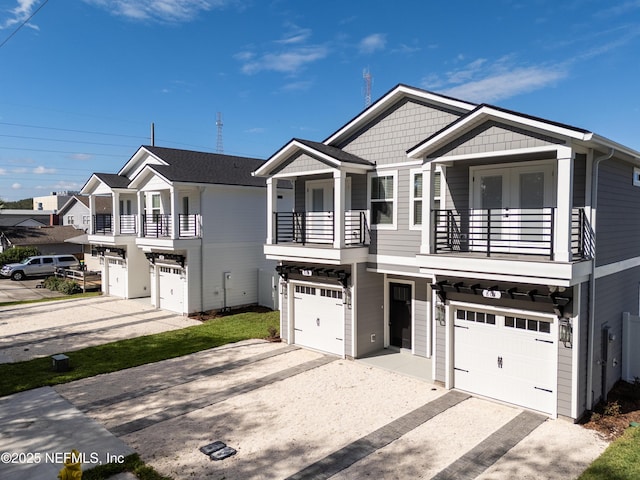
{"x": 339, "y": 195}
{"x": 564, "y": 198}
{"x": 115, "y": 212}
{"x": 175, "y": 224}
{"x": 141, "y": 213}
{"x": 272, "y": 203}
{"x": 426, "y": 245}
{"x": 92, "y": 213}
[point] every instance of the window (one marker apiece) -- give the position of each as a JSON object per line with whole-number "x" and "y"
{"x": 325, "y": 292}
{"x": 383, "y": 190}
{"x": 85, "y": 219}
{"x": 305, "y": 290}
{"x": 155, "y": 207}
{"x": 69, "y": 219}
{"x": 527, "y": 324}
{"x": 478, "y": 317}
{"x": 47, "y": 260}
{"x": 415, "y": 213}
{"x": 636, "y": 177}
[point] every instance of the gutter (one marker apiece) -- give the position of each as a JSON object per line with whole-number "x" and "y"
{"x": 592, "y": 283}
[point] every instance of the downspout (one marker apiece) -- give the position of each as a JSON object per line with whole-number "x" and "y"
{"x": 592, "y": 283}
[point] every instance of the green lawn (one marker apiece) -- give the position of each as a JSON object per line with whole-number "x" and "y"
{"x": 620, "y": 461}
{"x": 110, "y": 357}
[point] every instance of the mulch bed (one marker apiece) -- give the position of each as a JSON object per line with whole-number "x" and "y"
{"x": 211, "y": 314}
{"x": 611, "y": 419}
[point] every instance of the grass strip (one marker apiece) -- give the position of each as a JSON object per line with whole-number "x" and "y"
{"x": 50, "y": 299}
{"x": 132, "y": 352}
{"x": 620, "y": 461}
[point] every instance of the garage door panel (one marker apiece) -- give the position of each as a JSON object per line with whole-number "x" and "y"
{"x": 515, "y": 364}
{"x": 318, "y": 318}
{"x": 117, "y": 277}
{"x": 171, "y": 289}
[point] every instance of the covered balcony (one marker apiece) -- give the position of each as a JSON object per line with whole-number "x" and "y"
{"x": 162, "y": 226}
{"x": 320, "y": 228}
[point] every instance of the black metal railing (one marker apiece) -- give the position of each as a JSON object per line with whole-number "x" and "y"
{"x": 508, "y": 231}
{"x": 156, "y": 225}
{"x": 102, "y": 223}
{"x": 128, "y": 224}
{"x": 319, "y": 227}
{"x": 188, "y": 226}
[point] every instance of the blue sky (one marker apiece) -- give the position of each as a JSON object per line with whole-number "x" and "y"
{"x": 82, "y": 81}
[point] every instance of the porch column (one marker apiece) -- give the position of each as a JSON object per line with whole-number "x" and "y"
{"x": 115, "y": 212}
{"x": 564, "y": 197}
{"x": 426, "y": 245}
{"x": 92, "y": 213}
{"x": 339, "y": 194}
{"x": 175, "y": 224}
{"x": 272, "y": 203}
{"x": 141, "y": 213}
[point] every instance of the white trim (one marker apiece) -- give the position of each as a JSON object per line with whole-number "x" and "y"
{"x": 617, "y": 267}
{"x": 394, "y": 224}
{"x": 493, "y": 154}
{"x": 575, "y": 352}
{"x": 413, "y": 163}
{"x": 354, "y": 308}
{"x": 413, "y": 198}
{"x": 300, "y": 174}
{"x": 500, "y": 310}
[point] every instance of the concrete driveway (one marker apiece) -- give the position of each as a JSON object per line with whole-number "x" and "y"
{"x": 43, "y": 329}
{"x": 298, "y": 414}
{"x": 11, "y": 291}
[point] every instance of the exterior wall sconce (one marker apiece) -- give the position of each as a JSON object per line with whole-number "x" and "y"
{"x": 440, "y": 315}
{"x": 566, "y": 333}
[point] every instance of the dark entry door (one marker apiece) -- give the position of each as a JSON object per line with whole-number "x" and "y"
{"x": 400, "y": 315}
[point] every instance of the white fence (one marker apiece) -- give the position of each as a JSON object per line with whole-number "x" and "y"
{"x": 630, "y": 347}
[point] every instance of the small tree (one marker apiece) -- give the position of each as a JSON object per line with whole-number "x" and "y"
{"x": 17, "y": 254}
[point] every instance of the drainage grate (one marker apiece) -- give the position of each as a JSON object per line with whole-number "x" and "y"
{"x": 217, "y": 450}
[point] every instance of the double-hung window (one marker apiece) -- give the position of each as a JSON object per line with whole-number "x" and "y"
{"x": 417, "y": 179}
{"x": 383, "y": 200}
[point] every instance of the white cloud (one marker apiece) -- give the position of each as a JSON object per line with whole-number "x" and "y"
{"x": 3, "y": 171}
{"x": 40, "y": 170}
{"x": 373, "y": 42}
{"x": 296, "y": 35}
{"x": 290, "y": 61}
{"x": 507, "y": 84}
{"x": 16, "y": 186}
{"x": 20, "y": 13}
{"x": 159, "y": 10}
{"x": 80, "y": 156}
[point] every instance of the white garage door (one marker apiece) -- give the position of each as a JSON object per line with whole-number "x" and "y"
{"x": 171, "y": 285}
{"x": 318, "y": 318}
{"x": 117, "y": 276}
{"x": 509, "y": 358}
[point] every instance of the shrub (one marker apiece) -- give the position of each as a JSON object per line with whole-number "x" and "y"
{"x": 612, "y": 409}
{"x": 52, "y": 283}
{"x": 69, "y": 287}
{"x": 17, "y": 254}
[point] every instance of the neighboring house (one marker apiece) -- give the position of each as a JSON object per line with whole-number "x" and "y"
{"x": 465, "y": 234}
{"x": 75, "y": 212}
{"x": 183, "y": 228}
{"x": 49, "y": 240}
{"x": 27, "y": 218}
{"x": 54, "y": 201}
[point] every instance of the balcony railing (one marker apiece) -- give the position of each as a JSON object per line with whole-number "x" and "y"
{"x": 103, "y": 223}
{"x": 160, "y": 226}
{"x": 319, "y": 228}
{"x": 508, "y": 231}
{"x": 128, "y": 224}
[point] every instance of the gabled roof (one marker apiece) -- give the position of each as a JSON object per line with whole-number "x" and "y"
{"x": 83, "y": 199}
{"x": 333, "y": 156}
{"x": 25, "y": 236}
{"x": 187, "y": 166}
{"x": 393, "y": 96}
{"x": 113, "y": 180}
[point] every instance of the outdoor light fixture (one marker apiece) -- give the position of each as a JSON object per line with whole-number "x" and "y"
{"x": 440, "y": 314}
{"x": 566, "y": 332}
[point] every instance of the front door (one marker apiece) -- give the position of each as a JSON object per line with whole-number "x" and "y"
{"x": 512, "y": 209}
{"x": 400, "y": 315}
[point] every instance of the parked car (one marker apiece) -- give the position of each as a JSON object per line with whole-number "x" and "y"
{"x": 37, "y": 266}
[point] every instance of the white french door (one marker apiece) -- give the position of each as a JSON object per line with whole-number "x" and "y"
{"x": 512, "y": 209}
{"x": 320, "y": 215}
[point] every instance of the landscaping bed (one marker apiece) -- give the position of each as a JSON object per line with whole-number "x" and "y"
{"x": 622, "y": 408}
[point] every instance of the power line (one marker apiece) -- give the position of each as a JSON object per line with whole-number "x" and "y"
{"x": 71, "y": 130}
{"x": 68, "y": 141}
{"x": 23, "y": 23}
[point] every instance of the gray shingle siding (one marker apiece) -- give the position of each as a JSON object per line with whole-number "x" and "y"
{"x": 369, "y": 297}
{"x": 403, "y": 126}
{"x": 301, "y": 163}
{"x": 565, "y": 366}
{"x": 617, "y": 220}
{"x": 581, "y": 342}
{"x": 492, "y": 136}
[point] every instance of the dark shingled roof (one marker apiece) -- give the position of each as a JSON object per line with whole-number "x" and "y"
{"x": 113, "y": 180}
{"x": 200, "y": 167}
{"x": 334, "y": 152}
{"x": 39, "y": 235}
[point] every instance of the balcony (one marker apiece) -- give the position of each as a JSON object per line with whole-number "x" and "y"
{"x": 103, "y": 224}
{"x": 317, "y": 237}
{"x": 161, "y": 226}
{"x": 511, "y": 232}
{"x": 319, "y": 228}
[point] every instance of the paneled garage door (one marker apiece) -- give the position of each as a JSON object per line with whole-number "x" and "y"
{"x": 171, "y": 288}
{"x": 318, "y": 318}
{"x": 506, "y": 357}
{"x": 117, "y": 276}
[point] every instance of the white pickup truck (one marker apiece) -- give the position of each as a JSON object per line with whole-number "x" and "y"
{"x": 38, "y": 266}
